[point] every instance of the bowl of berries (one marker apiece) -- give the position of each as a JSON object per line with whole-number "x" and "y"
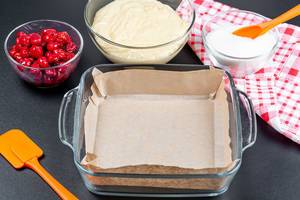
{"x": 44, "y": 52}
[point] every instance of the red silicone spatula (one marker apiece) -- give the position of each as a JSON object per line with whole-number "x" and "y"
{"x": 20, "y": 151}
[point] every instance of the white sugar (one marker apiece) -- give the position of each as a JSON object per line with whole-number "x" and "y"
{"x": 223, "y": 41}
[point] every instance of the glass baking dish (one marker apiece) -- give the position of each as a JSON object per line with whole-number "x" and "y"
{"x": 242, "y": 123}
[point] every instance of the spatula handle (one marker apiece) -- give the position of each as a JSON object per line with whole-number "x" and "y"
{"x": 290, "y": 14}
{"x": 52, "y": 182}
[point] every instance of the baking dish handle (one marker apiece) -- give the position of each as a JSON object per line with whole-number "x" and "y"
{"x": 249, "y": 139}
{"x": 66, "y": 136}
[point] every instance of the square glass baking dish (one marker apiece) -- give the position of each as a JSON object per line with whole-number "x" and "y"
{"x": 211, "y": 183}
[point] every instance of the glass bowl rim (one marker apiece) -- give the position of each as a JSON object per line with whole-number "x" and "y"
{"x": 204, "y": 34}
{"x": 140, "y": 47}
{"x": 39, "y": 21}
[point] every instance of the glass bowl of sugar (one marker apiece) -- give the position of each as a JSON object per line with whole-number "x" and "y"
{"x": 240, "y": 56}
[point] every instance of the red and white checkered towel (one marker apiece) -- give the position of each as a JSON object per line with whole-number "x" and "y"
{"x": 275, "y": 89}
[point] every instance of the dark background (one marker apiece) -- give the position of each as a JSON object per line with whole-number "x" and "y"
{"x": 270, "y": 169}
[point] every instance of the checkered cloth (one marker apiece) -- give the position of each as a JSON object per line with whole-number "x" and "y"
{"x": 275, "y": 89}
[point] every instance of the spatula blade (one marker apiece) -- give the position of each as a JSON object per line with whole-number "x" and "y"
{"x": 17, "y": 148}
{"x": 248, "y": 31}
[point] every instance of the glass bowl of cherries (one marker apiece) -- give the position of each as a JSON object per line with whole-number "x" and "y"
{"x": 44, "y": 52}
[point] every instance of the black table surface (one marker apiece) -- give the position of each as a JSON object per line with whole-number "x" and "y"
{"x": 270, "y": 169}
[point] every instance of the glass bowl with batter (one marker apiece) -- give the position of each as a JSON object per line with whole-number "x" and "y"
{"x": 139, "y": 31}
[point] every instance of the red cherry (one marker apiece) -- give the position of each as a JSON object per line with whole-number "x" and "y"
{"x": 47, "y": 54}
{"x": 23, "y": 40}
{"x": 62, "y": 70}
{"x": 56, "y": 51}
{"x": 12, "y": 51}
{"x": 35, "y": 39}
{"x": 63, "y": 37}
{"x": 51, "y": 57}
{"x": 71, "y": 47}
{"x": 21, "y": 33}
{"x": 36, "y": 73}
{"x": 48, "y": 31}
{"x": 43, "y": 62}
{"x": 53, "y": 45}
{"x": 18, "y": 41}
{"x": 51, "y": 73}
{"x": 55, "y": 59}
{"x": 31, "y": 60}
{"x": 18, "y": 47}
{"x": 69, "y": 56}
{"x": 61, "y": 73}
{"x": 60, "y": 53}
{"x": 17, "y": 57}
{"x": 36, "y": 51}
{"x": 47, "y": 38}
{"x": 25, "y": 61}
{"x": 24, "y": 52}
{"x": 35, "y": 64}
{"x": 48, "y": 35}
